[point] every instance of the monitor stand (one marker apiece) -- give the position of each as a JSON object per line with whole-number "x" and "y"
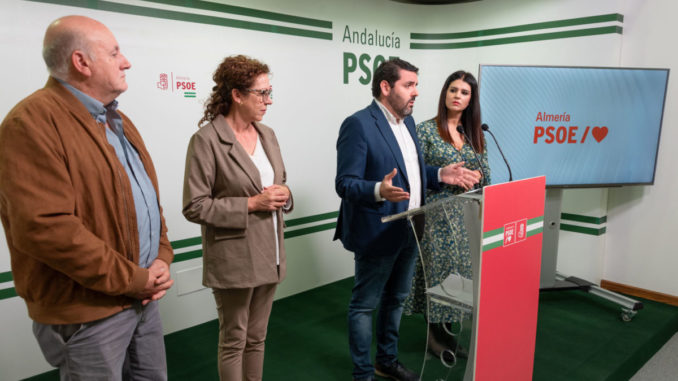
{"x": 552, "y": 280}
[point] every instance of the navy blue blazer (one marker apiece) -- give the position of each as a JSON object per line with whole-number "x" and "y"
{"x": 367, "y": 150}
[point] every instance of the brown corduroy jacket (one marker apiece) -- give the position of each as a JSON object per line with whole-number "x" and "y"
{"x": 67, "y": 208}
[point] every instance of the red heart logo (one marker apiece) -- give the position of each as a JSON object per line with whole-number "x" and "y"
{"x": 599, "y": 133}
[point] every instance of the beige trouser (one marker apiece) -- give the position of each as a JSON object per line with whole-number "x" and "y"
{"x": 243, "y": 319}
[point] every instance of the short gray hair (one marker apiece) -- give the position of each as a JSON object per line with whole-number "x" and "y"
{"x": 57, "y": 51}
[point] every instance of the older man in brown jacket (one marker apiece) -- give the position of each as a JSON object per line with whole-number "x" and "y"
{"x": 79, "y": 204}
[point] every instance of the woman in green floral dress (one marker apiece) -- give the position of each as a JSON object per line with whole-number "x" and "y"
{"x": 445, "y": 248}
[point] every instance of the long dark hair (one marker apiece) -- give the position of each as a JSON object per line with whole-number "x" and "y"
{"x": 470, "y": 117}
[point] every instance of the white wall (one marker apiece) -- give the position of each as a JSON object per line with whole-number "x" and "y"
{"x": 642, "y": 220}
{"x": 310, "y": 103}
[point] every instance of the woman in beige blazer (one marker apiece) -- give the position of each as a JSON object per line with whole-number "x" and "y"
{"x": 234, "y": 186}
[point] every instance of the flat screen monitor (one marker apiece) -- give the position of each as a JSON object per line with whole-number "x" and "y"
{"x": 578, "y": 126}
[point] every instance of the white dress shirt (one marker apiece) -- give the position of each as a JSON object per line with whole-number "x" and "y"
{"x": 410, "y": 156}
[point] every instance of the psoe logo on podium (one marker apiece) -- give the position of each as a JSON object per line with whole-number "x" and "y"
{"x": 515, "y": 232}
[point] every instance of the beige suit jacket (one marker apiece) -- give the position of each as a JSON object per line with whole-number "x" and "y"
{"x": 238, "y": 247}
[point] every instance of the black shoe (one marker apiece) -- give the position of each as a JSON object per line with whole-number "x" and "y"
{"x": 395, "y": 371}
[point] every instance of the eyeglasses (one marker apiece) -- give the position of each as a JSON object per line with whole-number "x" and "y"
{"x": 263, "y": 93}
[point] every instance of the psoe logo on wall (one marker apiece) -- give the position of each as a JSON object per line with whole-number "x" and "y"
{"x": 515, "y": 232}
{"x": 177, "y": 84}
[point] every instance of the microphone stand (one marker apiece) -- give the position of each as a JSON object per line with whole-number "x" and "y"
{"x": 460, "y": 129}
{"x": 485, "y": 127}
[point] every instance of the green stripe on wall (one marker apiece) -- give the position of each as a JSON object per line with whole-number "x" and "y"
{"x": 7, "y": 293}
{"x": 6, "y": 277}
{"x": 309, "y": 219}
{"x": 180, "y": 257}
{"x": 309, "y": 230}
{"x": 188, "y": 17}
{"x": 582, "y": 229}
{"x": 519, "y": 39}
{"x": 581, "y": 218}
{"x": 232, "y": 9}
{"x": 179, "y": 244}
{"x": 182, "y": 243}
{"x": 520, "y": 28}
{"x": 186, "y": 242}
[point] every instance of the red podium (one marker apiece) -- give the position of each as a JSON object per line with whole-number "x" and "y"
{"x": 504, "y": 225}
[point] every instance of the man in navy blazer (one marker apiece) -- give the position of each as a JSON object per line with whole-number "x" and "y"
{"x": 381, "y": 171}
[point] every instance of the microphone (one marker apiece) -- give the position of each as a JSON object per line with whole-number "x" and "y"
{"x": 461, "y": 130}
{"x": 485, "y": 127}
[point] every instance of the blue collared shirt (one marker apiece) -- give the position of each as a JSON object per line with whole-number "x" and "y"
{"x": 145, "y": 198}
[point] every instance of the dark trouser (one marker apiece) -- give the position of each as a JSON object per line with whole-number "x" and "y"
{"x": 380, "y": 281}
{"x": 128, "y": 345}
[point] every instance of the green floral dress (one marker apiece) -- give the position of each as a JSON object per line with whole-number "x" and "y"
{"x": 444, "y": 246}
